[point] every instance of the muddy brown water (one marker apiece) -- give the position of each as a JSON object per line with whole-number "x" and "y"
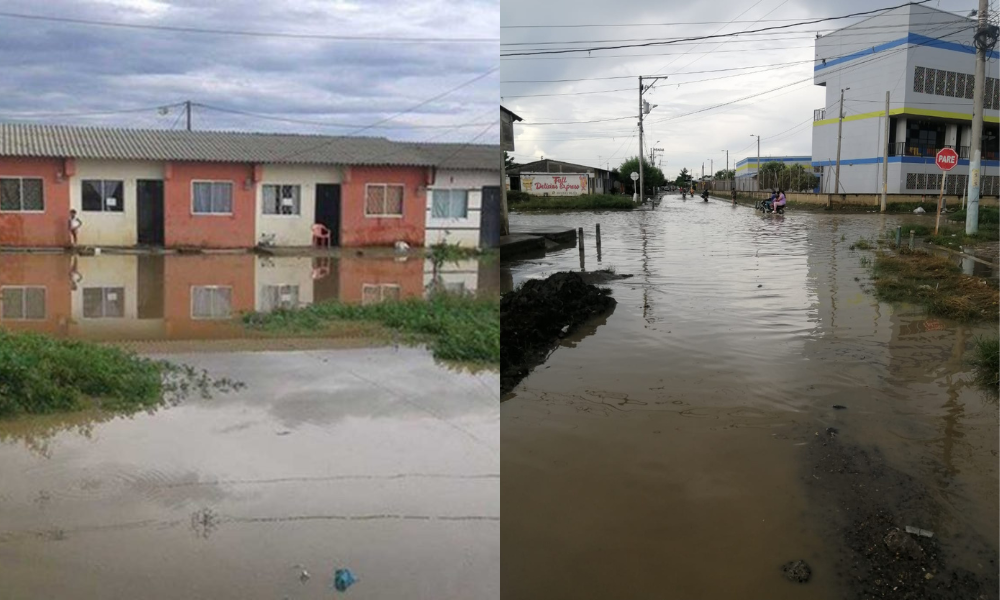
{"x": 376, "y": 459}
{"x": 661, "y": 450}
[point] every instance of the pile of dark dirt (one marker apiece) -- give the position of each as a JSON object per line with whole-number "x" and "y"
{"x": 535, "y": 316}
{"x": 870, "y": 504}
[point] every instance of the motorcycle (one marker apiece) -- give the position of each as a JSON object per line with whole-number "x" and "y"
{"x": 704, "y": 195}
{"x": 764, "y": 206}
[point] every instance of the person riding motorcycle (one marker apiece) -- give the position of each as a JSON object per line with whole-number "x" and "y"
{"x": 769, "y": 203}
{"x": 704, "y": 194}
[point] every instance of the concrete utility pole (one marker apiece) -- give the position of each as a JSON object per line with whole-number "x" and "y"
{"x": 972, "y": 207}
{"x": 644, "y": 108}
{"x": 840, "y": 132}
{"x": 758, "y": 160}
{"x": 885, "y": 155}
{"x": 640, "y": 139}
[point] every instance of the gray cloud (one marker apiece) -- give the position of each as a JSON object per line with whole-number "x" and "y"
{"x": 69, "y": 68}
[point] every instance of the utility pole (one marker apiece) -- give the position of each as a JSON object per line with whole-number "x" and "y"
{"x": 885, "y": 155}
{"x": 187, "y": 109}
{"x": 972, "y": 207}
{"x": 644, "y": 108}
{"x": 640, "y": 139}
{"x": 758, "y": 160}
{"x": 840, "y": 132}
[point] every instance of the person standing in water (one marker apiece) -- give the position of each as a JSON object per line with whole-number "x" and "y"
{"x": 74, "y": 227}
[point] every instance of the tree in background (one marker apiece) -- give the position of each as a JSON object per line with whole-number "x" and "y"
{"x": 683, "y": 179}
{"x": 509, "y": 161}
{"x": 652, "y": 176}
{"x": 777, "y": 175}
{"x": 725, "y": 174}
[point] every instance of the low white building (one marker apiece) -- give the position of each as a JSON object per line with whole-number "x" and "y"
{"x": 463, "y": 203}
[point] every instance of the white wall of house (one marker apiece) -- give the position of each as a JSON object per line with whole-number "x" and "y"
{"x": 464, "y": 232}
{"x": 272, "y": 274}
{"x": 110, "y": 228}
{"x": 292, "y": 230}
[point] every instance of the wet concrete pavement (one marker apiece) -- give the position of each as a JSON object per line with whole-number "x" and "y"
{"x": 378, "y": 460}
{"x": 661, "y": 449}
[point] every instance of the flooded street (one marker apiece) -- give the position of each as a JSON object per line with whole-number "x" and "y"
{"x": 336, "y": 454}
{"x": 663, "y": 447}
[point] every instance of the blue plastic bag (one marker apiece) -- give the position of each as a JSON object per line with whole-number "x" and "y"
{"x": 343, "y": 579}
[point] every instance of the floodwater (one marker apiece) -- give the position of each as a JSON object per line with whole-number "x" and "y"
{"x": 660, "y": 451}
{"x": 375, "y": 459}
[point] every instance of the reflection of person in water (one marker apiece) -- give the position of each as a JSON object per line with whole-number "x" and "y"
{"x": 74, "y": 275}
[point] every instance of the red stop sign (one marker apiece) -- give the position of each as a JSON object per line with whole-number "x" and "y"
{"x": 946, "y": 159}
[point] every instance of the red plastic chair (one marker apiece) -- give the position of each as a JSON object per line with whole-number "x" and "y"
{"x": 321, "y": 235}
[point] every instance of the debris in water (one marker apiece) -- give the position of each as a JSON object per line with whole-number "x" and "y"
{"x": 918, "y": 211}
{"x": 918, "y": 531}
{"x": 797, "y": 571}
{"x": 343, "y": 579}
{"x": 839, "y": 407}
{"x": 903, "y": 544}
{"x": 832, "y": 431}
{"x": 304, "y": 576}
{"x": 283, "y": 432}
{"x": 760, "y": 285}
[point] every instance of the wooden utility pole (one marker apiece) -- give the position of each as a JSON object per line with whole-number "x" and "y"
{"x": 972, "y": 207}
{"x": 885, "y": 156}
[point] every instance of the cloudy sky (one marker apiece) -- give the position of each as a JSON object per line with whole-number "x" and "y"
{"x": 701, "y": 75}
{"x": 60, "y": 72}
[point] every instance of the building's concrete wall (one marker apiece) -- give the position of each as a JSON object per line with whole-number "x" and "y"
{"x": 111, "y": 228}
{"x": 44, "y": 228}
{"x": 464, "y": 232}
{"x": 454, "y": 277}
{"x": 185, "y": 228}
{"x": 293, "y": 230}
{"x": 357, "y": 229}
{"x": 44, "y": 271}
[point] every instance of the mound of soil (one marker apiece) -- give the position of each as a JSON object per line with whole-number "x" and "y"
{"x": 534, "y": 317}
{"x": 870, "y": 504}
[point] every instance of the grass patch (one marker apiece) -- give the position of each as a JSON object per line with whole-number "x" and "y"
{"x": 585, "y": 202}
{"x": 988, "y": 215}
{"x": 453, "y": 253}
{"x": 955, "y": 238}
{"x": 936, "y": 283}
{"x": 457, "y": 328}
{"x": 40, "y": 374}
{"x": 865, "y": 261}
{"x": 986, "y": 361}
{"x": 862, "y": 244}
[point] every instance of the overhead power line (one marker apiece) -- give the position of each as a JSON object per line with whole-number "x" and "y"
{"x": 673, "y": 24}
{"x": 328, "y": 123}
{"x": 713, "y": 36}
{"x": 266, "y": 34}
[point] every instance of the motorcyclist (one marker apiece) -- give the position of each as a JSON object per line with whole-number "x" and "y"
{"x": 704, "y": 194}
{"x": 779, "y": 200}
{"x": 769, "y": 203}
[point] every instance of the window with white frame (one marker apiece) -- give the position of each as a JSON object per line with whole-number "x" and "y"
{"x": 22, "y": 303}
{"x": 103, "y": 302}
{"x": 21, "y": 194}
{"x": 211, "y": 302}
{"x": 212, "y": 197}
{"x": 102, "y": 195}
{"x": 383, "y": 200}
{"x": 282, "y": 199}
{"x": 449, "y": 204}
{"x": 273, "y": 297}
{"x": 380, "y": 292}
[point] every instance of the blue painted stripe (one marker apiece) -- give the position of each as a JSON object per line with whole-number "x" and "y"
{"x": 917, "y": 160}
{"x": 912, "y": 38}
{"x": 765, "y": 159}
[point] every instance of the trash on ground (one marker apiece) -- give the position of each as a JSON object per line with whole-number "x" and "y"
{"x": 918, "y": 211}
{"x": 343, "y": 579}
{"x": 900, "y": 543}
{"x": 918, "y": 531}
{"x": 797, "y": 571}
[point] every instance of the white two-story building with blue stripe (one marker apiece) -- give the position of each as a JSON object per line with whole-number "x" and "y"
{"x": 925, "y": 59}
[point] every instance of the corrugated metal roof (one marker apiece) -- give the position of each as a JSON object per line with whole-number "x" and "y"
{"x": 65, "y": 141}
{"x": 478, "y": 157}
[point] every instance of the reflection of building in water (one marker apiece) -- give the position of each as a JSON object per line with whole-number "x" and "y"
{"x": 461, "y": 277}
{"x": 136, "y": 297}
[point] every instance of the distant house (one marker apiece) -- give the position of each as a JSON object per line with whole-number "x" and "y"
{"x": 599, "y": 179}
{"x": 211, "y": 189}
{"x": 463, "y": 200}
